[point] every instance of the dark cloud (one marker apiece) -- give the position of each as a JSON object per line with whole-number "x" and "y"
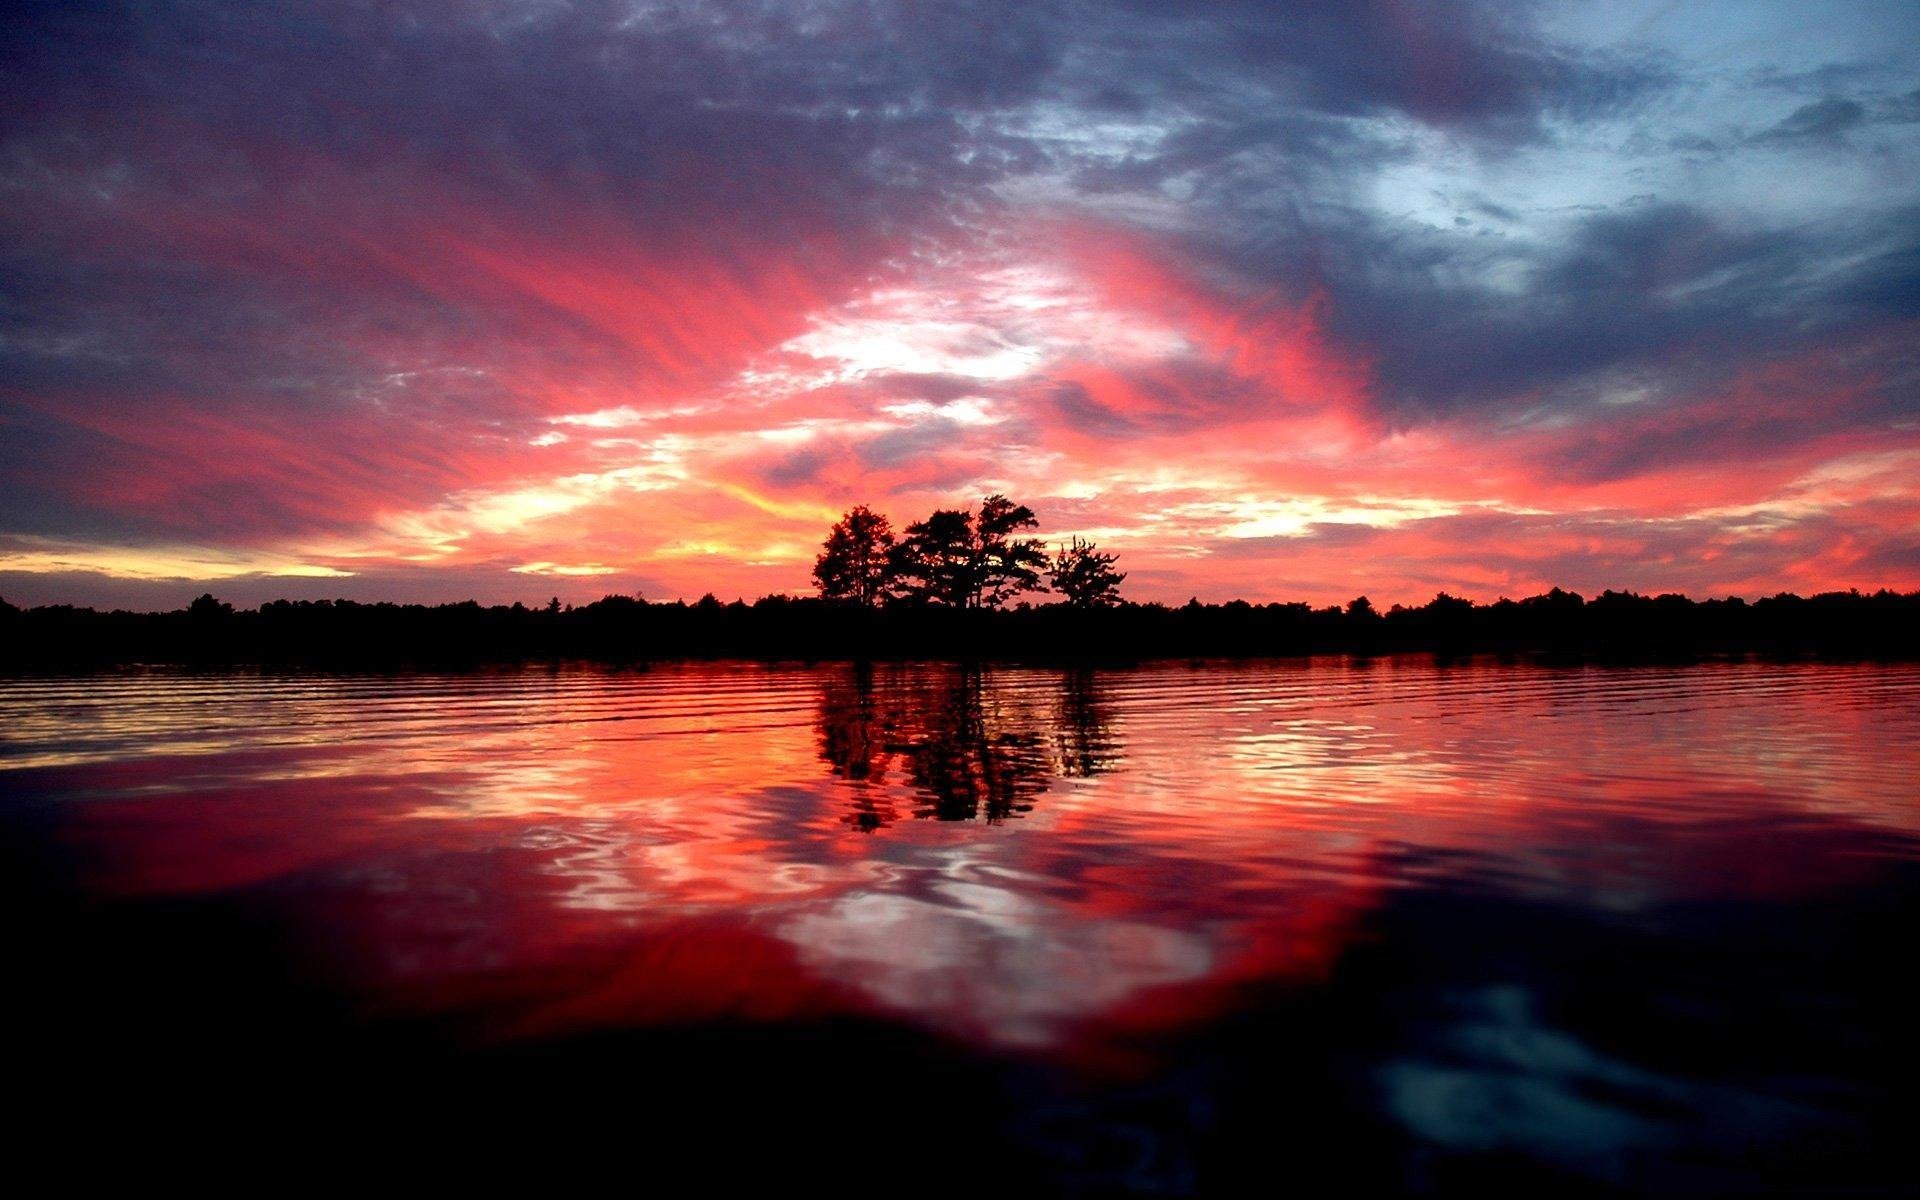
{"x": 1481, "y": 68}
{"x": 919, "y": 442}
{"x": 1076, "y": 406}
{"x": 934, "y": 388}
{"x": 1668, "y": 292}
{"x": 1823, "y": 120}
{"x": 799, "y": 467}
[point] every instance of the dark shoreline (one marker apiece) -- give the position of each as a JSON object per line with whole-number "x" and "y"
{"x": 1614, "y": 627}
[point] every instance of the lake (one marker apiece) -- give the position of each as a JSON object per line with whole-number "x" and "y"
{"x": 1390, "y": 926}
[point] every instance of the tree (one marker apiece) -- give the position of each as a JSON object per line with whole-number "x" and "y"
{"x": 1005, "y": 565}
{"x": 206, "y": 608}
{"x": 963, "y": 561}
{"x": 934, "y": 562}
{"x": 855, "y": 562}
{"x": 1085, "y": 576}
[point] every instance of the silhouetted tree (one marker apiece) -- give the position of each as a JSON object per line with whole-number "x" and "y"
{"x": 1085, "y": 576}
{"x": 963, "y": 561}
{"x": 206, "y": 608}
{"x": 856, "y": 561}
{"x": 1006, "y": 565}
{"x": 934, "y": 562}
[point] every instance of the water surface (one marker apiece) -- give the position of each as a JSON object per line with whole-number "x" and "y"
{"x": 1387, "y": 926}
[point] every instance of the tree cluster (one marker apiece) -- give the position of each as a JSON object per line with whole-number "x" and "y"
{"x": 959, "y": 559}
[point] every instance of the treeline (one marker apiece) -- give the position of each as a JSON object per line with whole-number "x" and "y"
{"x": 1613, "y": 625}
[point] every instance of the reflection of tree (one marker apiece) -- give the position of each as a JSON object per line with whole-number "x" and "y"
{"x": 978, "y": 750}
{"x": 967, "y": 746}
{"x": 1083, "y": 731}
{"x": 854, "y": 734}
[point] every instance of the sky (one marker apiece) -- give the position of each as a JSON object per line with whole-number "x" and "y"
{"x": 430, "y": 301}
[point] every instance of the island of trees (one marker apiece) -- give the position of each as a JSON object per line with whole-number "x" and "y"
{"x": 960, "y": 584}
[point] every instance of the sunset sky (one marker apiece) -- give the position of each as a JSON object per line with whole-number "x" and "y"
{"x": 431, "y": 301}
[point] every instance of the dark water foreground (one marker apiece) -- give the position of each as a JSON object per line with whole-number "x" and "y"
{"x": 1294, "y": 928}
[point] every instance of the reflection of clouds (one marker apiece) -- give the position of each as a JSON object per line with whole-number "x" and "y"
{"x": 989, "y": 961}
{"x": 596, "y": 861}
{"x": 1504, "y": 1080}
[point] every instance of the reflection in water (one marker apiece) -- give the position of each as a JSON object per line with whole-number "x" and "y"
{"x": 1463, "y": 926}
{"x": 1084, "y": 737}
{"x": 970, "y": 750}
